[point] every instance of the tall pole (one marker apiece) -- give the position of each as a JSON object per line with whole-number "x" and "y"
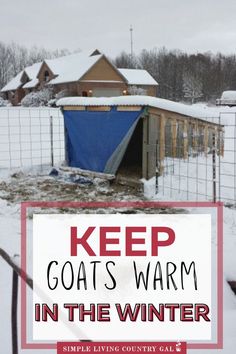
{"x": 51, "y": 139}
{"x": 131, "y": 43}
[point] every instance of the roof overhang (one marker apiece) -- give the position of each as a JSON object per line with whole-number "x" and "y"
{"x": 180, "y": 109}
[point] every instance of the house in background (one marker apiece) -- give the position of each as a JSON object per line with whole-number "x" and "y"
{"x": 228, "y": 98}
{"x": 80, "y": 74}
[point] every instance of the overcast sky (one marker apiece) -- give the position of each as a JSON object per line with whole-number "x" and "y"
{"x": 191, "y": 25}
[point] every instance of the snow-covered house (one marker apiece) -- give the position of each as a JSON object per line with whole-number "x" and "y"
{"x": 228, "y": 98}
{"x": 80, "y": 74}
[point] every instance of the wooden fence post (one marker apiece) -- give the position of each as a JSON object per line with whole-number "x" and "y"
{"x": 206, "y": 139}
{"x": 162, "y": 143}
{"x": 195, "y": 137}
{"x": 174, "y": 136}
{"x": 185, "y": 142}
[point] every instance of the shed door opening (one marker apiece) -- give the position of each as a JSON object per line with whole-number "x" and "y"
{"x": 131, "y": 164}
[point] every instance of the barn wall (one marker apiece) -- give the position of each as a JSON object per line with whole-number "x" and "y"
{"x": 180, "y": 136}
{"x": 152, "y": 91}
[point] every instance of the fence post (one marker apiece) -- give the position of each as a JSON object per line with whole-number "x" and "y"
{"x": 157, "y": 165}
{"x": 14, "y": 312}
{"x": 51, "y": 139}
{"x": 214, "y": 166}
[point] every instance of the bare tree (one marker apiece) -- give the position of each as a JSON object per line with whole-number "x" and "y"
{"x": 184, "y": 76}
{"x": 124, "y": 60}
{"x": 14, "y": 58}
{"x": 192, "y": 88}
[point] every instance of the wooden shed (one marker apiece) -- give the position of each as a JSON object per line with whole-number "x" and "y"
{"x": 131, "y": 136}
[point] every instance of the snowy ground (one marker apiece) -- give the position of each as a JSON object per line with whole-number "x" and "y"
{"x": 23, "y": 186}
{"x": 20, "y": 187}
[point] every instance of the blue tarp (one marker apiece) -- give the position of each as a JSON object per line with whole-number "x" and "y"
{"x": 97, "y": 141}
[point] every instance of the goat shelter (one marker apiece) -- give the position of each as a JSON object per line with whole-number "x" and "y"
{"x": 130, "y": 136}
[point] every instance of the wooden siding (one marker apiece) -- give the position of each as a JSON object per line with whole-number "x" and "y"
{"x": 185, "y": 134}
{"x": 103, "y": 70}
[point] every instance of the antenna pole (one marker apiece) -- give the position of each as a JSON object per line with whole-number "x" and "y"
{"x": 131, "y": 42}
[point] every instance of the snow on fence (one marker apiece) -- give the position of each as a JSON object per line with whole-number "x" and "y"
{"x": 30, "y": 137}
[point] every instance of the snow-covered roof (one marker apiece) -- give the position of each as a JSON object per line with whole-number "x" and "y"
{"x": 32, "y": 71}
{"x": 227, "y": 98}
{"x": 14, "y": 84}
{"x": 183, "y": 109}
{"x": 68, "y": 68}
{"x": 228, "y": 95}
{"x": 71, "y": 67}
{"x": 138, "y": 77}
{"x": 31, "y": 84}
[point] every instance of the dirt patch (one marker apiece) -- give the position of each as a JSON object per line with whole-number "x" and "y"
{"x": 26, "y": 187}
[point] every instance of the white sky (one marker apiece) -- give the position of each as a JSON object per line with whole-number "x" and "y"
{"x": 189, "y": 25}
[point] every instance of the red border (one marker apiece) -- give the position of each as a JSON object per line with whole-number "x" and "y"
{"x": 65, "y": 204}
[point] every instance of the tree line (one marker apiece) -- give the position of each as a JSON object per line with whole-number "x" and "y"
{"x": 181, "y": 76}
{"x": 185, "y": 77}
{"x": 15, "y": 57}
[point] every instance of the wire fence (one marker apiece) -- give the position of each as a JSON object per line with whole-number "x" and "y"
{"x": 208, "y": 171}
{"x": 196, "y": 166}
{"x": 31, "y": 137}
{"x": 227, "y": 163}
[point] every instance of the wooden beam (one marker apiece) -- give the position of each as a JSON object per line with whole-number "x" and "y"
{"x": 74, "y": 108}
{"x": 222, "y": 146}
{"x": 86, "y": 173}
{"x": 174, "y": 136}
{"x": 145, "y": 149}
{"x": 152, "y": 145}
{"x": 195, "y": 136}
{"x": 206, "y": 137}
{"x": 162, "y": 142}
{"x": 129, "y": 108}
{"x": 185, "y": 139}
{"x": 99, "y": 108}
